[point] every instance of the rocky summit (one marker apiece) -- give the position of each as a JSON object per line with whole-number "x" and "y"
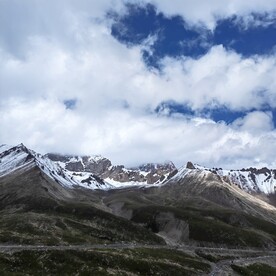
{"x": 102, "y": 167}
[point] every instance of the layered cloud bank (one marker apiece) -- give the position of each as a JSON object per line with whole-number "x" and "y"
{"x": 69, "y": 84}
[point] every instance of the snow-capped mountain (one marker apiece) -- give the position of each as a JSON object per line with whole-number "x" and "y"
{"x": 116, "y": 175}
{"x": 250, "y": 180}
{"x": 19, "y": 158}
{"x": 97, "y": 172}
{"x": 92, "y": 172}
{"x": 40, "y": 194}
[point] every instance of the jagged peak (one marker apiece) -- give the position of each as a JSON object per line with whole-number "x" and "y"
{"x": 21, "y": 145}
{"x": 251, "y": 179}
{"x": 74, "y": 157}
{"x": 190, "y": 165}
{"x": 18, "y": 148}
{"x": 12, "y": 157}
{"x": 97, "y": 158}
{"x": 154, "y": 166}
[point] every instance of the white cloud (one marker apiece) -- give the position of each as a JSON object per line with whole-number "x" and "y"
{"x": 207, "y": 12}
{"x": 63, "y": 21}
{"x": 255, "y": 122}
{"x": 126, "y": 138}
{"x": 222, "y": 77}
{"x": 73, "y": 56}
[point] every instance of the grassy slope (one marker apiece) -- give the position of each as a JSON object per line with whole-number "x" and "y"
{"x": 36, "y": 210}
{"x": 69, "y": 223}
{"x": 103, "y": 262}
{"x": 208, "y": 221}
{"x": 213, "y": 228}
{"x": 257, "y": 269}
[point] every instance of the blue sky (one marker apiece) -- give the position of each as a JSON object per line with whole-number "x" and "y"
{"x": 141, "y": 81}
{"x": 175, "y": 38}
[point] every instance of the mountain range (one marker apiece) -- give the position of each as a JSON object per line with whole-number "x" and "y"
{"x": 56, "y": 199}
{"x": 97, "y": 172}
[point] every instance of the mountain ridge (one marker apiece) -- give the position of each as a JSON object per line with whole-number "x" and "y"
{"x": 149, "y": 173}
{"x": 14, "y": 158}
{"x": 98, "y": 172}
{"x": 250, "y": 179}
{"x": 193, "y": 205}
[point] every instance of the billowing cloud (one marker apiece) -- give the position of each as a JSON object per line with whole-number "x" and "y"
{"x": 222, "y": 78}
{"x": 130, "y": 139}
{"x": 208, "y": 12}
{"x": 67, "y": 85}
{"x": 255, "y": 122}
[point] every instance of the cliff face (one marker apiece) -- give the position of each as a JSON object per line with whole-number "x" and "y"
{"x": 102, "y": 167}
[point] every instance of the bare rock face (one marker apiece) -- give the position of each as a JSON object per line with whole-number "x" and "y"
{"x": 190, "y": 166}
{"x": 156, "y": 172}
{"x": 58, "y": 157}
{"x": 149, "y": 173}
{"x": 75, "y": 166}
{"x": 172, "y": 229}
{"x": 102, "y": 167}
{"x": 121, "y": 174}
{"x": 151, "y": 167}
{"x": 251, "y": 180}
{"x": 96, "y": 165}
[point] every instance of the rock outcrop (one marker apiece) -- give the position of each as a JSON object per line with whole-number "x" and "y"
{"x": 102, "y": 167}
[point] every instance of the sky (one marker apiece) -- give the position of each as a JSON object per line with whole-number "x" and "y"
{"x": 141, "y": 81}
